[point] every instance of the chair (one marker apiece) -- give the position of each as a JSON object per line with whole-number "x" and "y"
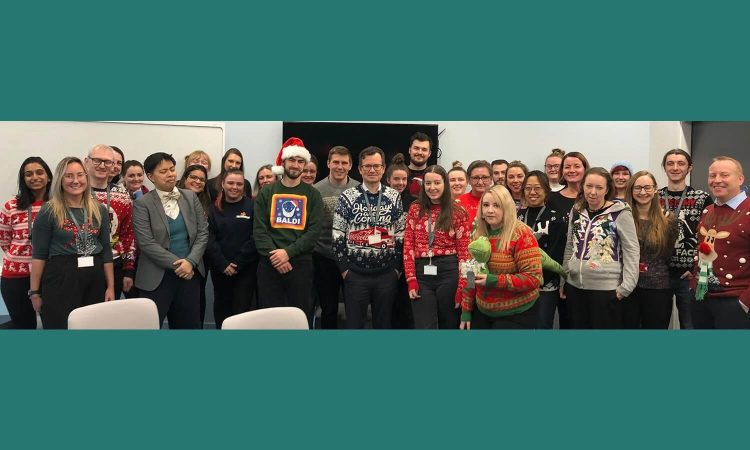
{"x": 281, "y": 318}
{"x": 128, "y": 314}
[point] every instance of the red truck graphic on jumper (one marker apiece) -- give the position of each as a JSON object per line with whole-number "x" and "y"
{"x": 362, "y": 237}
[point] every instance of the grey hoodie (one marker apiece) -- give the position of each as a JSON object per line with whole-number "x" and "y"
{"x": 602, "y": 252}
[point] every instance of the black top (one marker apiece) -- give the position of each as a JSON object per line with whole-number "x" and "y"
{"x": 550, "y": 230}
{"x": 231, "y": 235}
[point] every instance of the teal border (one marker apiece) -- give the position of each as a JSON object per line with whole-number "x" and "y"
{"x": 380, "y": 61}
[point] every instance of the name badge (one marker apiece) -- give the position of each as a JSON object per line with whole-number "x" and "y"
{"x": 374, "y": 239}
{"x": 430, "y": 270}
{"x": 85, "y": 261}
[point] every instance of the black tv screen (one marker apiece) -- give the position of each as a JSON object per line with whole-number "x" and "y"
{"x": 320, "y": 137}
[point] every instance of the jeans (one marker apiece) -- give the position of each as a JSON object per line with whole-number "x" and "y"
{"x": 683, "y": 298}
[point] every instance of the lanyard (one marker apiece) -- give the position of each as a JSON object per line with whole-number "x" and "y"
{"x": 430, "y": 232}
{"x": 81, "y": 230}
{"x": 679, "y": 205}
{"x": 373, "y": 213}
{"x": 536, "y": 219}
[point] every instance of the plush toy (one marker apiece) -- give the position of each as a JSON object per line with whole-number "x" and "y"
{"x": 480, "y": 250}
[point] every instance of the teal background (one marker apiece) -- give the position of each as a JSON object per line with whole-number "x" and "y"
{"x": 378, "y": 61}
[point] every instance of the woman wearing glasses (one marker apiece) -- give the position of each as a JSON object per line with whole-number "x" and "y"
{"x": 650, "y": 304}
{"x": 601, "y": 255}
{"x": 549, "y": 229}
{"x": 195, "y": 178}
{"x": 552, "y": 167}
{"x": 480, "y": 179}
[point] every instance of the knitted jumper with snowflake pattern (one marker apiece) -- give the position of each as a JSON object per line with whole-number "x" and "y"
{"x": 367, "y": 238}
{"x": 514, "y": 278}
{"x": 121, "y": 234}
{"x": 452, "y": 242}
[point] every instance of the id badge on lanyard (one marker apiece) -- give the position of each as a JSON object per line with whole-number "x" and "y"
{"x": 430, "y": 269}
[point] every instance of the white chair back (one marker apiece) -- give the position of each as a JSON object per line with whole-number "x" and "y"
{"x": 128, "y": 314}
{"x": 281, "y": 318}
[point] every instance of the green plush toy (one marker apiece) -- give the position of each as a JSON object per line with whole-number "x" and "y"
{"x": 480, "y": 250}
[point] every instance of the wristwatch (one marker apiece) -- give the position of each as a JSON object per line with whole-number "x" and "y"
{"x": 32, "y": 293}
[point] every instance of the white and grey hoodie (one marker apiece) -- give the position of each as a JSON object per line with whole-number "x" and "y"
{"x": 602, "y": 252}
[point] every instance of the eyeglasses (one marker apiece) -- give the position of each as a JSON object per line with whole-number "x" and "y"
{"x": 533, "y": 189}
{"x": 369, "y": 167}
{"x": 647, "y": 189}
{"x": 552, "y": 166}
{"x": 197, "y": 179}
{"x": 482, "y": 179}
{"x": 99, "y": 161}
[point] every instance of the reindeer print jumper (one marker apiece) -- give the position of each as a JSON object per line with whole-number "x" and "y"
{"x": 726, "y": 232}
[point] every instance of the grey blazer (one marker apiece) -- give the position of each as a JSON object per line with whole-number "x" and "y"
{"x": 152, "y": 237}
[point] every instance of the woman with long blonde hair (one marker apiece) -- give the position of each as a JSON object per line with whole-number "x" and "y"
{"x": 505, "y": 297}
{"x": 72, "y": 257}
{"x": 650, "y": 304}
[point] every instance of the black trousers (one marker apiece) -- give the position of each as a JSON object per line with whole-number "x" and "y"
{"x": 402, "y": 317}
{"x": 65, "y": 287}
{"x": 327, "y": 283}
{"x": 526, "y": 320}
{"x": 134, "y": 292}
{"x": 233, "y": 295}
{"x": 719, "y": 313}
{"x": 289, "y": 289}
{"x": 117, "y": 269}
{"x": 15, "y": 294}
{"x": 377, "y": 290}
{"x": 649, "y": 309}
{"x": 589, "y": 309}
{"x": 178, "y": 300}
{"x": 202, "y": 298}
{"x": 436, "y": 307}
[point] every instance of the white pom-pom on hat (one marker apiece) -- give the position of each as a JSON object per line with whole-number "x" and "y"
{"x": 291, "y": 147}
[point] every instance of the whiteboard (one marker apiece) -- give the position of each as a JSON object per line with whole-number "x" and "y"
{"x": 55, "y": 140}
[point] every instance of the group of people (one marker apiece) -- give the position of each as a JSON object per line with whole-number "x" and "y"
{"x": 407, "y": 247}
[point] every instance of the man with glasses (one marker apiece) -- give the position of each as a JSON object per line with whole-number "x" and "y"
{"x": 368, "y": 231}
{"x": 287, "y": 223}
{"x": 420, "y": 149}
{"x": 686, "y": 204}
{"x": 99, "y": 164}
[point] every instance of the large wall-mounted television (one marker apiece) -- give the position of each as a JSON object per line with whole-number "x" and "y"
{"x": 320, "y": 137}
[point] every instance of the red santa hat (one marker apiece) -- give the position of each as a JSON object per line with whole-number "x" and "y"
{"x": 292, "y": 147}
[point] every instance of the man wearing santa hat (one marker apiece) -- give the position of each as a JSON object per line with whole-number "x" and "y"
{"x": 287, "y": 223}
